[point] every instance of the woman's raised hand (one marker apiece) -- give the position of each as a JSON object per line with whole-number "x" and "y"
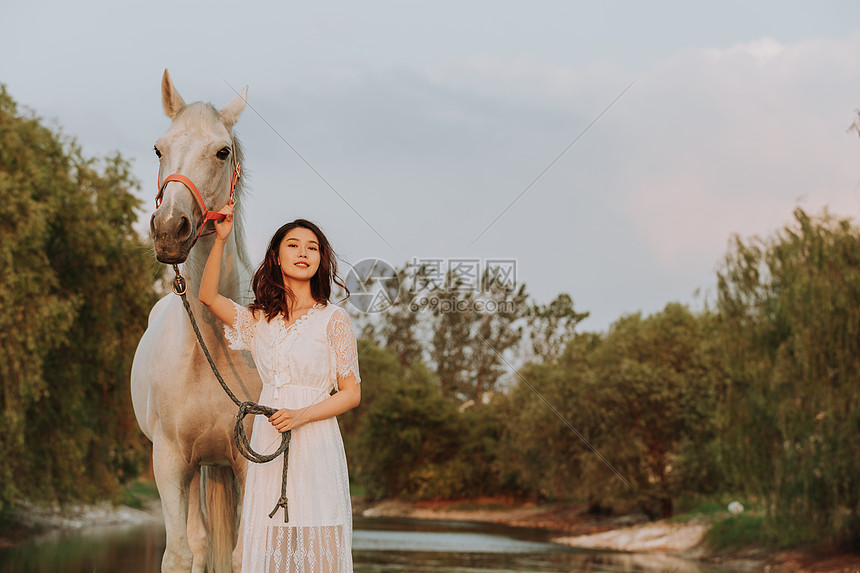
{"x": 225, "y": 225}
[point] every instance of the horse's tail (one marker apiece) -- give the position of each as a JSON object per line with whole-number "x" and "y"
{"x": 219, "y": 494}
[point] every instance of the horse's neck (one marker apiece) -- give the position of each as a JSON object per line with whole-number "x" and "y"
{"x": 233, "y": 274}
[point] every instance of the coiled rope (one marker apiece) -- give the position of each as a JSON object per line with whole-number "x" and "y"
{"x": 240, "y": 437}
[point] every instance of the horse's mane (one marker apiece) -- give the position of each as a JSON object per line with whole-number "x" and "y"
{"x": 239, "y": 211}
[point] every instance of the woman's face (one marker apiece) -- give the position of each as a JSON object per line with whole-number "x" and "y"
{"x": 299, "y": 254}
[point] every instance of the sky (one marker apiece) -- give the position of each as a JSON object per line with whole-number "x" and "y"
{"x": 610, "y": 149}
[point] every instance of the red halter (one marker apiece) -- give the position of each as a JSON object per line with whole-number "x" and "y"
{"x": 207, "y": 214}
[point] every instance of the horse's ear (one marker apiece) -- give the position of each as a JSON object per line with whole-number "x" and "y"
{"x": 170, "y": 98}
{"x": 230, "y": 112}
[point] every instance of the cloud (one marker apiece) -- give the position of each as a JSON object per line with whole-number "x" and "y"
{"x": 712, "y": 141}
{"x": 708, "y": 143}
{"x": 430, "y": 140}
{"x": 532, "y": 80}
{"x": 729, "y": 140}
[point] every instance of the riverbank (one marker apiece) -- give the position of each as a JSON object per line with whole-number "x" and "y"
{"x": 569, "y": 519}
{"x": 676, "y": 540}
{"x": 31, "y": 521}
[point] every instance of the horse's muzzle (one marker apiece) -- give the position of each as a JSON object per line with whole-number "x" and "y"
{"x": 172, "y": 237}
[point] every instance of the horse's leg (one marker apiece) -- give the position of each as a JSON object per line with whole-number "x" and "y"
{"x": 240, "y": 468}
{"x": 172, "y": 476}
{"x": 197, "y": 539}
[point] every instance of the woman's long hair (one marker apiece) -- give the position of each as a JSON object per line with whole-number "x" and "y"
{"x": 273, "y": 297}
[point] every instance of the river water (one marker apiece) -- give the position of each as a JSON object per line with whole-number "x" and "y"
{"x": 379, "y": 545}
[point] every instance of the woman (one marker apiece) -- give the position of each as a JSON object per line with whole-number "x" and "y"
{"x": 304, "y": 349}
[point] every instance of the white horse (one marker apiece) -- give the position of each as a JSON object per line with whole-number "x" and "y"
{"x": 177, "y": 401}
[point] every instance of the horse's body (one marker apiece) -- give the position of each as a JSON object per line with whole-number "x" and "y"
{"x": 178, "y": 402}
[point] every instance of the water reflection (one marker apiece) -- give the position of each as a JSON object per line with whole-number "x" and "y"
{"x": 450, "y": 541}
{"x": 380, "y": 545}
{"x": 401, "y": 546}
{"x": 131, "y": 548}
{"x": 560, "y": 562}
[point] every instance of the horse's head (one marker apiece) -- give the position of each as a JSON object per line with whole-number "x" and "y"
{"x": 199, "y": 146}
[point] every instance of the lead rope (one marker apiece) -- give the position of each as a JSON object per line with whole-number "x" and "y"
{"x": 240, "y": 437}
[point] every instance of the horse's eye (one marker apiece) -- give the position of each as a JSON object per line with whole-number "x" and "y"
{"x": 223, "y": 153}
{"x": 157, "y": 152}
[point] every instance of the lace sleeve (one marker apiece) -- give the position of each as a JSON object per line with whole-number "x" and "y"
{"x": 342, "y": 343}
{"x": 240, "y": 335}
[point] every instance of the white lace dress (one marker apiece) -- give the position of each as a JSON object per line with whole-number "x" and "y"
{"x": 299, "y": 366}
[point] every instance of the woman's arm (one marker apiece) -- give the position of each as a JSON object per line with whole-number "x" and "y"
{"x": 346, "y": 399}
{"x": 219, "y": 305}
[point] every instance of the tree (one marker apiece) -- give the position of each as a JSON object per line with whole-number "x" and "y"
{"x": 401, "y": 324}
{"x": 472, "y": 332}
{"x": 405, "y": 424}
{"x": 75, "y": 290}
{"x": 537, "y": 450}
{"x": 639, "y": 395}
{"x": 789, "y": 311}
{"x": 453, "y": 313}
{"x": 497, "y": 329}
{"x": 656, "y": 396}
{"x": 551, "y": 326}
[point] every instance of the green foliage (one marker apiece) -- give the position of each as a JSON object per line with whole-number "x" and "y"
{"x": 75, "y": 290}
{"x": 481, "y": 430}
{"x": 537, "y": 451}
{"x": 406, "y": 424}
{"x": 551, "y": 326}
{"x": 789, "y": 310}
{"x": 137, "y": 493}
{"x": 407, "y": 439}
{"x": 384, "y": 373}
{"x": 451, "y": 345}
{"x": 694, "y": 505}
{"x": 656, "y": 393}
{"x": 472, "y": 332}
{"x": 468, "y": 469}
{"x": 641, "y": 396}
{"x": 401, "y": 326}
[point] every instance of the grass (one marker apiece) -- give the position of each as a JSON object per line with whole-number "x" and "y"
{"x": 728, "y": 533}
{"x": 705, "y": 508}
{"x": 738, "y": 532}
{"x": 138, "y": 493}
